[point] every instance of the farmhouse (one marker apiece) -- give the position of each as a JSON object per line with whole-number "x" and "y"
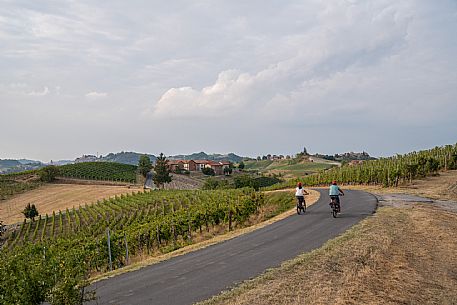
{"x": 198, "y": 165}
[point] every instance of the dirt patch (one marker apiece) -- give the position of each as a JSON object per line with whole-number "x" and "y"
{"x": 399, "y": 256}
{"x": 55, "y": 197}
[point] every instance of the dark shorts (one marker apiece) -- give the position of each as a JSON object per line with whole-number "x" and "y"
{"x": 337, "y": 198}
{"x": 300, "y": 199}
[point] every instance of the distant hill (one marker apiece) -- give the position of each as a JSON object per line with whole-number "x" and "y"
{"x": 204, "y": 156}
{"x": 131, "y": 158}
{"x": 13, "y": 166}
{"x": 9, "y": 163}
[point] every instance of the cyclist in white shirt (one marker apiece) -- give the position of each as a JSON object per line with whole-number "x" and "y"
{"x": 300, "y": 193}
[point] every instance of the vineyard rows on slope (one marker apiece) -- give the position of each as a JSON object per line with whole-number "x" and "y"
{"x": 146, "y": 222}
{"x": 108, "y": 171}
{"x": 390, "y": 171}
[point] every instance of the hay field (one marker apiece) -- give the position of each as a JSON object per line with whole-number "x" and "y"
{"x": 55, "y": 197}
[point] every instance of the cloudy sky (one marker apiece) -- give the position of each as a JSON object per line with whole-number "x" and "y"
{"x": 250, "y": 77}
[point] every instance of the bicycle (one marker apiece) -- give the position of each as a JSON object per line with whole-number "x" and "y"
{"x": 301, "y": 206}
{"x": 336, "y": 207}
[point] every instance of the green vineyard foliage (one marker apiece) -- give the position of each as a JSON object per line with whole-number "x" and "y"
{"x": 388, "y": 172}
{"x": 152, "y": 221}
{"x": 107, "y": 171}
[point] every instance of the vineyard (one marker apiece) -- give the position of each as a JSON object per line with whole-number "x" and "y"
{"x": 385, "y": 171}
{"x": 12, "y": 184}
{"x": 107, "y": 171}
{"x": 146, "y": 222}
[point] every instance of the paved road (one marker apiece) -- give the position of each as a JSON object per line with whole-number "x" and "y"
{"x": 148, "y": 183}
{"x": 199, "y": 275}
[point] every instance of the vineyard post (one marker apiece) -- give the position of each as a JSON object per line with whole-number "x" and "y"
{"x": 158, "y": 236}
{"x": 126, "y": 250}
{"x": 189, "y": 225}
{"x": 109, "y": 250}
{"x": 230, "y": 219}
{"x": 173, "y": 230}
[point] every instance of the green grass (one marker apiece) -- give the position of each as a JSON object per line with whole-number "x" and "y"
{"x": 257, "y": 165}
{"x": 292, "y": 167}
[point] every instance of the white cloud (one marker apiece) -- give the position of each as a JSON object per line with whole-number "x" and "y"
{"x": 44, "y": 92}
{"x": 96, "y": 95}
{"x": 345, "y": 39}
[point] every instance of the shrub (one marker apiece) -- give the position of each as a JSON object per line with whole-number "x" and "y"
{"x": 30, "y": 211}
{"x": 267, "y": 181}
{"x": 48, "y": 173}
{"x": 208, "y": 171}
{"x": 246, "y": 181}
{"x": 213, "y": 184}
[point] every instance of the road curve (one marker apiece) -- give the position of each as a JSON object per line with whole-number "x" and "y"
{"x": 199, "y": 275}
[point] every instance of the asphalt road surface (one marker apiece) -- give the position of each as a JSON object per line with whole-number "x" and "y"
{"x": 199, "y": 275}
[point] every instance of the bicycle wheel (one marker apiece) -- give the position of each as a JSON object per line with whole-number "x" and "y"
{"x": 334, "y": 212}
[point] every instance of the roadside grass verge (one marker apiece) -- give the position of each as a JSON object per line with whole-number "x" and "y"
{"x": 398, "y": 256}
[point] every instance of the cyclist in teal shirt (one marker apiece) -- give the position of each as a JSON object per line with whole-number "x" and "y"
{"x": 334, "y": 192}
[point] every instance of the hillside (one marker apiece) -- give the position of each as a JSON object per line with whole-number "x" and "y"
{"x": 109, "y": 171}
{"x": 204, "y": 156}
{"x": 131, "y": 158}
{"x": 13, "y": 166}
{"x": 287, "y": 167}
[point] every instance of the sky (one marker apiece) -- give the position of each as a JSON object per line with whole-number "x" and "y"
{"x": 249, "y": 77}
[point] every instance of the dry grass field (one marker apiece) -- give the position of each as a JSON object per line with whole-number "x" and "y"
{"x": 442, "y": 187}
{"x": 55, "y": 197}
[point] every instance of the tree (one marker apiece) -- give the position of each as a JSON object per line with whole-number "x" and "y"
{"x": 162, "y": 171}
{"x": 241, "y": 165}
{"x": 30, "y": 211}
{"x": 48, "y": 173}
{"x": 144, "y": 165}
{"x": 305, "y": 152}
{"x": 227, "y": 171}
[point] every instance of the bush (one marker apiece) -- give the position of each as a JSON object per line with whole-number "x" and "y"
{"x": 30, "y": 211}
{"x": 213, "y": 184}
{"x": 246, "y": 181}
{"x": 267, "y": 181}
{"x": 208, "y": 171}
{"x": 48, "y": 173}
